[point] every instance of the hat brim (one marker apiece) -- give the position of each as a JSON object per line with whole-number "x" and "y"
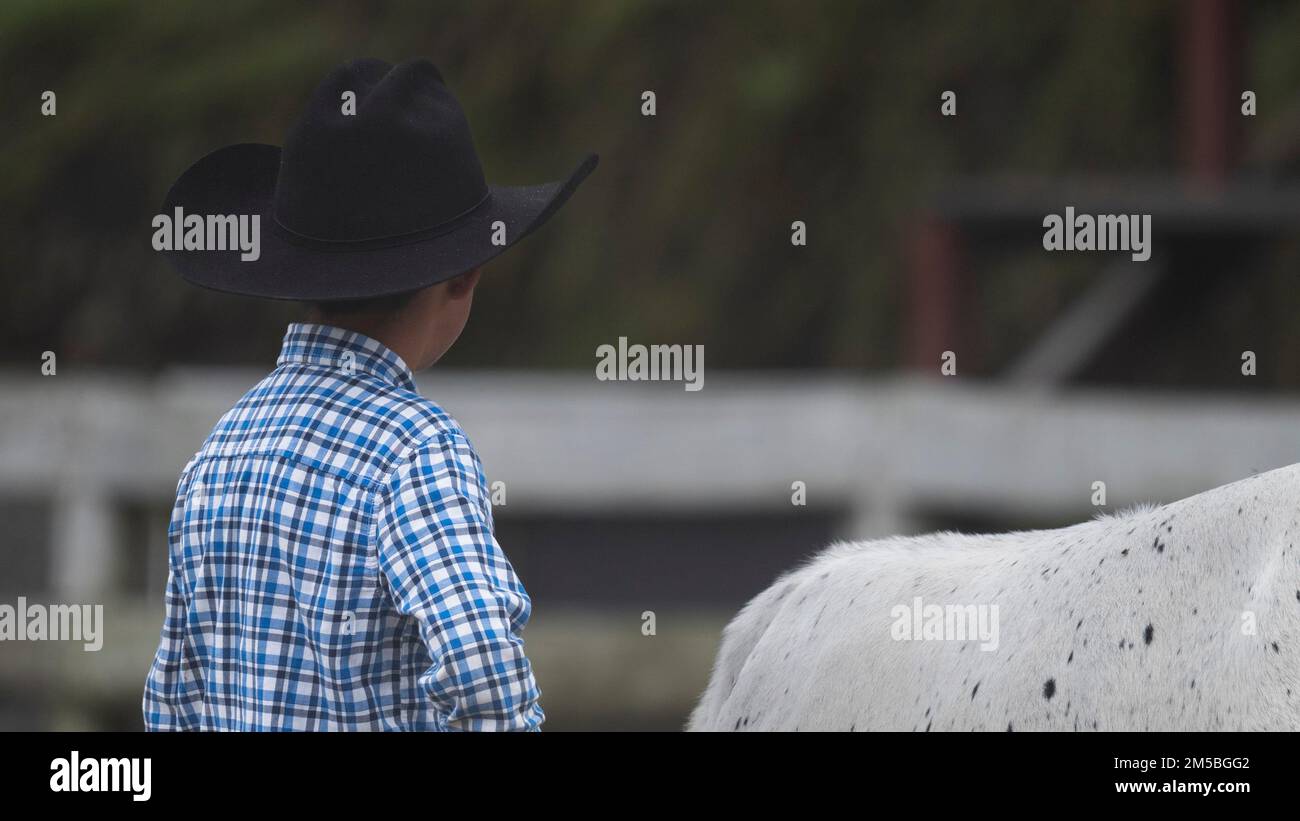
{"x": 240, "y": 180}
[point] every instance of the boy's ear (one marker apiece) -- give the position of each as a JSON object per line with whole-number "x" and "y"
{"x": 463, "y": 285}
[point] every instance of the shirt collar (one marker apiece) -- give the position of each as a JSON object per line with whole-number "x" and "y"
{"x": 349, "y": 351}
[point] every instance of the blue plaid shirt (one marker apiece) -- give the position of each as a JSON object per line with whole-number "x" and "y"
{"x": 332, "y": 563}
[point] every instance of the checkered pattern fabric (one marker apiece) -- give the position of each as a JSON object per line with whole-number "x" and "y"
{"x": 332, "y": 562}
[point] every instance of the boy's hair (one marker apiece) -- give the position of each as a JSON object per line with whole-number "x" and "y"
{"x": 390, "y": 304}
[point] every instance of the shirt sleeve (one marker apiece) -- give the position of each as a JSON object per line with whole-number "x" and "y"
{"x": 439, "y": 558}
{"x": 173, "y": 692}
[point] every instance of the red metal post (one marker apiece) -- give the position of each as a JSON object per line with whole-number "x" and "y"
{"x": 1211, "y": 95}
{"x": 934, "y": 294}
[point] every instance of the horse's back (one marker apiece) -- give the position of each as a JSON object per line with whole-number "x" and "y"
{"x": 1161, "y": 618}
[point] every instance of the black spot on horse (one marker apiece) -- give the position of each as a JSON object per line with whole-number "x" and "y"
{"x": 1049, "y": 689}
{"x": 1148, "y": 634}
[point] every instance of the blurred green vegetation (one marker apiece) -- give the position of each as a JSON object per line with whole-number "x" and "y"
{"x": 768, "y": 112}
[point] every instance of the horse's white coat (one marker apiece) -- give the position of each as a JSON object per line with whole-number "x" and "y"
{"x": 1181, "y": 617}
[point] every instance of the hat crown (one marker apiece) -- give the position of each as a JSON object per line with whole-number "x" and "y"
{"x": 403, "y": 162}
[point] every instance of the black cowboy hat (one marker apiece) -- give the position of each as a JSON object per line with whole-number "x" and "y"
{"x": 386, "y": 200}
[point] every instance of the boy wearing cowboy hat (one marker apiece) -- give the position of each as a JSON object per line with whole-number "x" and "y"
{"x": 332, "y": 559}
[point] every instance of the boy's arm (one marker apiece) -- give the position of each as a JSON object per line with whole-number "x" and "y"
{"x": 173, "y": 691}
{"x": 445, "y": 569}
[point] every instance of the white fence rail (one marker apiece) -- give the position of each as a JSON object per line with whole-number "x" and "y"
{"x": 569, "y": 444}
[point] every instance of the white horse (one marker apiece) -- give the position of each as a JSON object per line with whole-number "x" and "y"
{"x": 1181, "y": 617}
